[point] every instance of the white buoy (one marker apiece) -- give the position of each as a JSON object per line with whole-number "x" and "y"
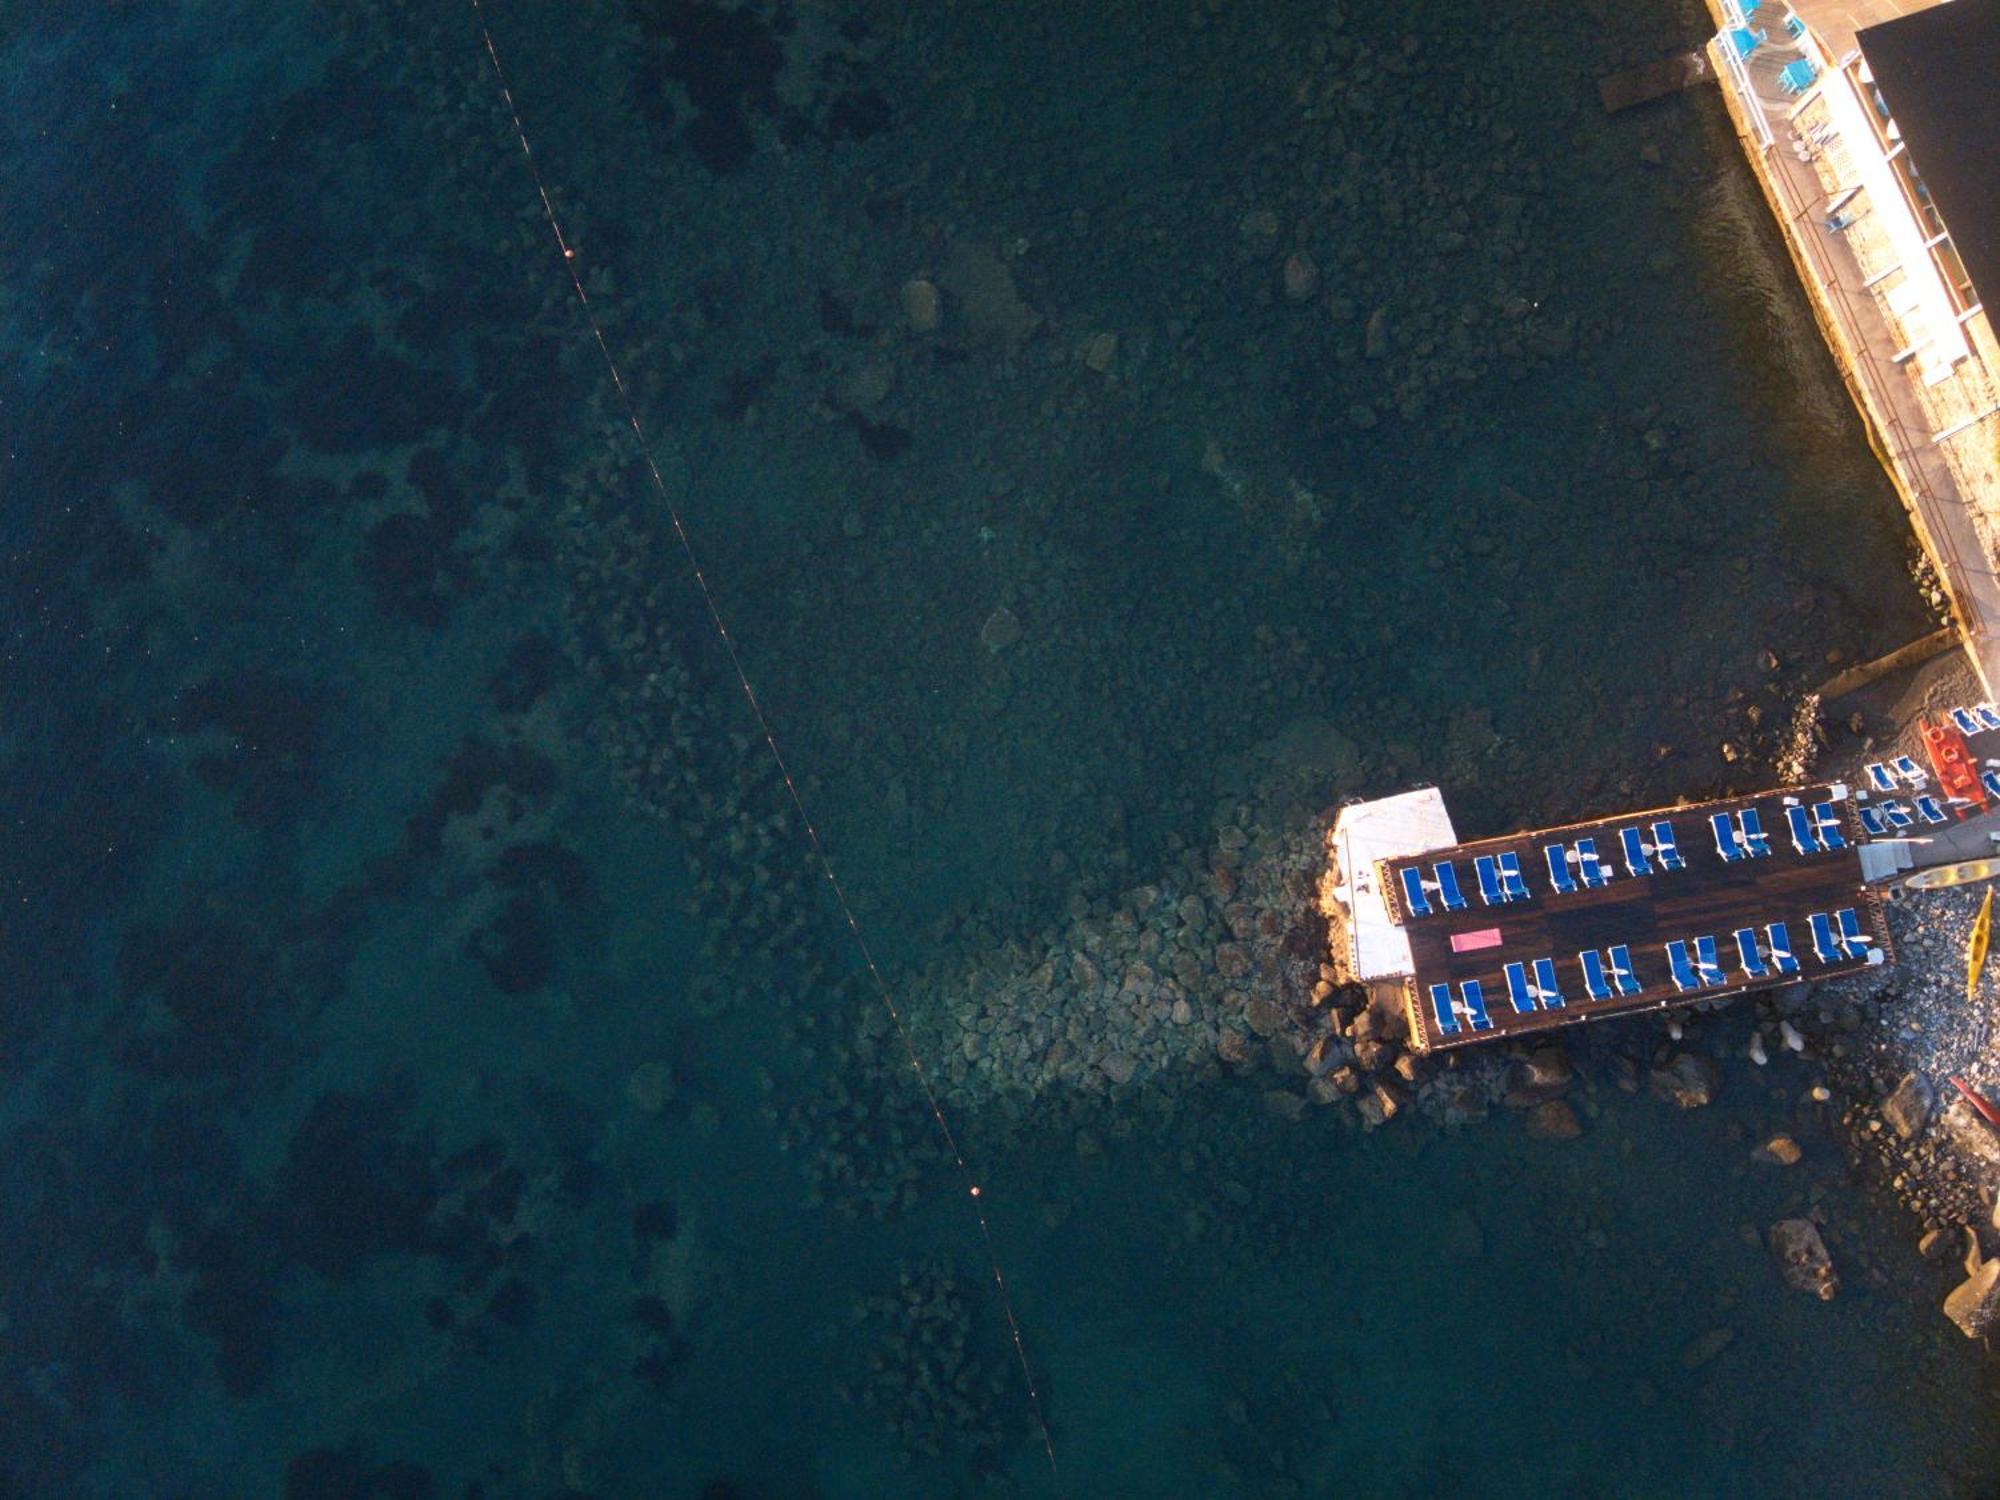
{"x": 1757, "y": 1053}
{"x": 1674, "y": 1029}
{"x": 1792, "y": 1036}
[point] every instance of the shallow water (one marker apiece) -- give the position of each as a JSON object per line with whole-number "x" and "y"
{"x": 434, "y": 1068}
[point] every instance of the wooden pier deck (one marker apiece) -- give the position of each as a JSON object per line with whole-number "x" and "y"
{"x": 1710, "y": 897}
{"x": 1656, "y": 80}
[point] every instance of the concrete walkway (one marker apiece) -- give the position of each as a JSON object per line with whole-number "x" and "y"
{"x": 1858, "y": 332}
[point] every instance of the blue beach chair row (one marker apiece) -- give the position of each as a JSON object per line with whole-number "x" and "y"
{"x": 1849, "y": 942}
{"x": 1773, "y": 956}
{"x": 1701, "y": 971}
{"x": 1977, "y": 719}
{"x": 1889, "y": 819}
{"x": 1534, "y": 986}
{"x": 1640, "y": 855}
{"x": 1815, "y": 830}
{"x": 1590, "y": 872}
{"x": 1500, "y": 878}
{"x": 1600, "y": 983}
{"x": 1471, "y": 1006}
{"x": 1543, "y": 992}
{"x": 1739, "y": 836}
{"x": 1417, "y": 891}
{"x": 1889, "y": 776}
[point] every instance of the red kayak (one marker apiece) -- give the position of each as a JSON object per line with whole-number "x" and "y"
{"x": 1978, "y": 1101}
{"x": 1951, "y": 758}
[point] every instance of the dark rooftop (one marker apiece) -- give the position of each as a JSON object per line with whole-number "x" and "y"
{"x": 1937, "y": 69}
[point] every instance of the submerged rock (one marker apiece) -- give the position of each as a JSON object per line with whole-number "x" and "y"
{"x": 651, "y": 1087}
{"x": 923, "y": 305}
{"x": 1554, "y": 1121}
{"x": 1001, "y": 630}
{"x": 1301, "y": 276}
{"x": 1700, "y": 1351}
{"x": 1779, "y": 1151}
{"x": 1546, "y": 1070}
{"x": 1688, "y": 1081}
{"x": 982, "y": 285}
{"x": 1803, "y": 1259}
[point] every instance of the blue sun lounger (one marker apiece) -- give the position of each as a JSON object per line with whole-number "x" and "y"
{"x": 1512, "y": 886}
{"x": 1852, "y": 938}
{"x": 1881, "y": 777}
{"x": 1414, "y": 900}
{"x": 1824, "y": 948}
{"x": 1910, "y": 771}
{"x": 1473, "y": 997}
{"x": 1622, "y": 973}
{"x": 1589, "y": 869}
{"x": 1677, "y": 960}
{"x": 1873, "y": 821}
{"x": 1747, "y": 956}
{"x": 1929, "y": 810}
{"x": 1447, "y": 886}
{"x": 1558, "y": 860}
{"x": 1665, "y": 849}
{"x": 1441, "y": 1007}
{"x": 1826, "y": 827}
{"x": 1756, "y": 842}
{"x": 1489, "y": 880}
{"x": 1518, "y": 991}
{"x": 1898, "y": 816}
{"x": 1989, "y": 716}
{"x": 1635, "y": 852}
{"x": 1546, "y": 989}
{"x": 1782, "y": 958}
{"x": 1966, "y": 720}
{"x": 1707, "y": 962}
{"x": 1991, "y": 781}
{"x": 1595, "y": 984}
{"x": 1802, "y": 830}
{"x": 1727, "y": 843}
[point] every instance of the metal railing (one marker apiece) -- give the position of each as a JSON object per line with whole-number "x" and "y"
{"x": 1739, "y": 75}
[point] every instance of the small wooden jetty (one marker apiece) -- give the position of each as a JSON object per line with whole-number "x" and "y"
{"x": 1656, "y": 80}
{"x": 1575, "y": 936}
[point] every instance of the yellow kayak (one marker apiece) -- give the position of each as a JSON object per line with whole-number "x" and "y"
{"x": 1966, "y": 872}
{"x": 1975, "y": 946}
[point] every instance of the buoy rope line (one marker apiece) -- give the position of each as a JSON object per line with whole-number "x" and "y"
{"x": 974, "y": 1197}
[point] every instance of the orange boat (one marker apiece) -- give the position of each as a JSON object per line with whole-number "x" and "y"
{"x": 1951, "y": 758}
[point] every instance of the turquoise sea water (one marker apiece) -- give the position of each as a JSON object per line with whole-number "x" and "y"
{"x": 432, "y": 1065}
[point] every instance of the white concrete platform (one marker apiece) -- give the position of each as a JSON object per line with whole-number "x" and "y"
{"x": 1387, "y": 828}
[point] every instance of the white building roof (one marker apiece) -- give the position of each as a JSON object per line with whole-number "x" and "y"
{"x": 1388, "y": 828}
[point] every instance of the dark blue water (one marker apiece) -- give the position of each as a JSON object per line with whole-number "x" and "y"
{"x": 433, "y": 1066}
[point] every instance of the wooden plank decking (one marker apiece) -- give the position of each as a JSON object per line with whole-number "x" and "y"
{"x": 1711, "y": 897}
{"x": 1655, "y": 80}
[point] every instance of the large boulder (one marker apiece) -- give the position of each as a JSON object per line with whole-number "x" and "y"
{"x": 1974, "y": 1304}
{"x": 1908, "y": 1107}
{"x": 1970, "y": 1136}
